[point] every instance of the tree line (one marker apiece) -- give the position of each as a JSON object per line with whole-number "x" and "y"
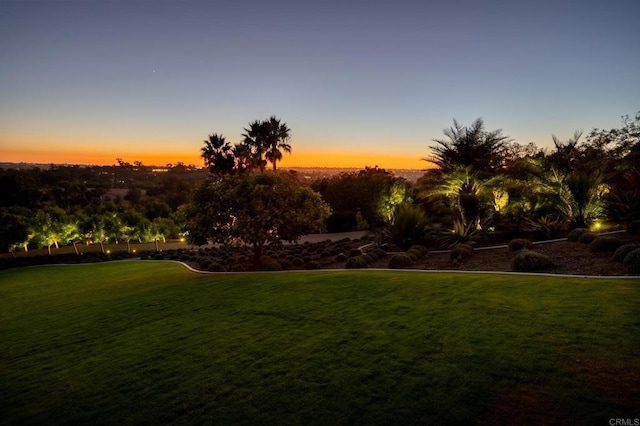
{"x": 484, "y": 186}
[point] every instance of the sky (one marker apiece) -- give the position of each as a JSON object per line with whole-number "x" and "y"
{"x": 360, "y": 83}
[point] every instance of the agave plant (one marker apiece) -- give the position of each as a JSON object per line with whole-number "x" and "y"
{"x": 459, "y": 233}
{"x": 409, "y": 225}
{"x": 548, "y": 226}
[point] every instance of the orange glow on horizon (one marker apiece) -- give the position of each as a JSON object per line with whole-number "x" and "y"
{"x": 66, "y": 153}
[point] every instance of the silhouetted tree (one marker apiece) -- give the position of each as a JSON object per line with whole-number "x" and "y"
{"x": 470, "y": 146}
{"x": 255, "y": 139}
{"x": 218, "y": 156}
{"x": 277, "y": 139}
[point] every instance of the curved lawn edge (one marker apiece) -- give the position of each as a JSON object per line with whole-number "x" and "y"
{"x": 435, "y": 271}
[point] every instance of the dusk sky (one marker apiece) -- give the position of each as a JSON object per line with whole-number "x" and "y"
{"x": 358, "y": 82}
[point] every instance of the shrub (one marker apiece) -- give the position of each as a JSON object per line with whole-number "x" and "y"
{"x": 368, "y": 258}
{"x": 587, "y": 238}
{"x": 605, "y": 243}
{"x": 518, "y": 244}
{"x": 379, "y": 252}
{"x": 461, "y": 252}
{"x": 286, "y": 264}
{"x": 574, "y": 235}
{"x": 297, "y": 262}
{"x": 415, "y": 252}
{"x": 529, "y": 261}
{"x": 420, "y": 248}
{"x": 623, "y": 251}
{"x": 215, "y": 267}
{"x": 400, "y": 261}
{"x": 357, "y": 262}
{"x": 354, "y": 252}
{"x": 272, "y": 265}
{"x": 237, "y": 268}
{"x": 341, "y": 257}
{"x": 632, "y": 261}
{"x": 634, "y": 227}
{"x": 314, "y": 264}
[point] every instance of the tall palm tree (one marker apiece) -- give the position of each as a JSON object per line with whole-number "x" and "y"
{"x": 255, "y": 138}
{"x": 218, "y": 155}
{"x": 277, "y": 135}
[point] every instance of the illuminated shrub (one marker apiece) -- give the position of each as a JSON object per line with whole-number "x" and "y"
{"x": 632, "y": 262}
{"x": 518, "y": 244}
{"x": 574, "y": 235}
{"x": 605, "y": 243}
{"x": 623, "y": 251}
{"x": 530, "y": 261}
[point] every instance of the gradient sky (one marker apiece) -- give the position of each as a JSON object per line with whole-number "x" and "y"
{"x": 358, "y": 82}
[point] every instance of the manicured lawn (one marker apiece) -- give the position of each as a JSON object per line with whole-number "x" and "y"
{"x": 146, "y": 342}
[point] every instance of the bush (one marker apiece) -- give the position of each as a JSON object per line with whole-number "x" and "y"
{"x": 415, "y": 252}
{"x": 354, "y": 252}
{"x": 341, "y": 257}
{"x": 237, "y": 268}
{"x": 529, "y": 261}
{"x": 215, "y": 267}
{"x": 400, "y": 261}
{"x": 518, "y": 244}
{"x": 272, "y": 265}
{"x": 420, "y": 248}
{"x": 605, "y": 244}
{"x": 631, "y": 262}
{"x": 297, "y": 262}
{"x": 379, "y": 252}
{"x": 369, "y": 258}
{"x": 461, "y": 252}
{"x": 623, "y": 251}
{"x": 357, "y": 262}
{"x": 634, "y": 227}
{"x": 314, "y": 264}
{"x": 587, "y": 238}
{"x": 286, "y": 264}
{"x": 574, "y": 235}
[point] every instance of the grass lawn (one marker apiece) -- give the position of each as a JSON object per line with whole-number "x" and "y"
{"x": 147, "y": 342}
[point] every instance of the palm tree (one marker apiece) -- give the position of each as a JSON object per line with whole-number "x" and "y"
{"x": 566, "y": 153}
{"x": 470, "y": 147}
{"x": 255, "y": 138}
{"x": 218, "y": 155}
{"x": 277, "y": 138}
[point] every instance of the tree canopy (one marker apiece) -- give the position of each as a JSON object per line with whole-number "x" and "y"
{"x": 471, "y": 146}
{"x": 256, "y": 209}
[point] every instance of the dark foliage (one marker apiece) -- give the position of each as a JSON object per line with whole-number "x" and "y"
{"x": 530, "y": 261}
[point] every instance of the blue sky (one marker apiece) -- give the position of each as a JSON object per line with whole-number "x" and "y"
{"x": 362, "y": 82}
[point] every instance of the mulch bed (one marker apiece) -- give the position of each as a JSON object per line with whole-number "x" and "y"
{"x": 569, "y": 258}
